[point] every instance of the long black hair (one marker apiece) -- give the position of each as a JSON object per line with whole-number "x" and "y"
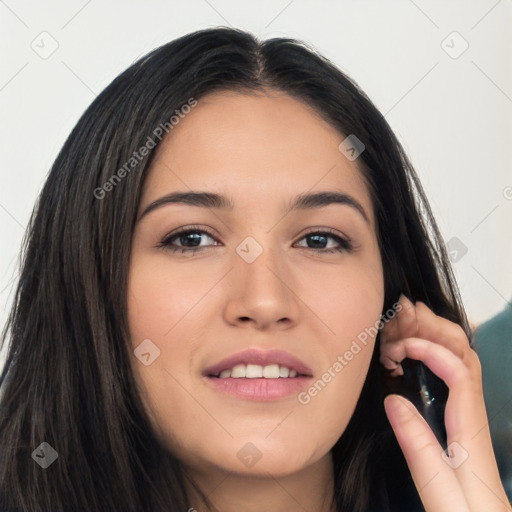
{"x": 68, "y": 380}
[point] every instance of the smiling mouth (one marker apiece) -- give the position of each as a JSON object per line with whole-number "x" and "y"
{"x": 256, "y": 371}
{"x": 259, "y": 375}
{"x": 257, "y": 363}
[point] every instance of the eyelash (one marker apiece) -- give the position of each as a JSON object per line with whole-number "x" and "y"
{"x": 345, "y": 244}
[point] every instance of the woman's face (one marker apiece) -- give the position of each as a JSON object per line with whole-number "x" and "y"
{"x": 271, "y": 290}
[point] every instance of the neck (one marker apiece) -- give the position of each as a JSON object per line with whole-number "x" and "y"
{"x": 309, "y": 489}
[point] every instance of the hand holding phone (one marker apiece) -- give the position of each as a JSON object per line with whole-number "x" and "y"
{"x": 417, "y": 343}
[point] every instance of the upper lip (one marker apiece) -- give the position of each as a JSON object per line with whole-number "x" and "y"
{"x": 260, "y": 357}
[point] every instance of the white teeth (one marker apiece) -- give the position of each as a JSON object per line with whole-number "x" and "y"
{"x": 271, "y": 371}
{"x": 283, "y": 371}
{"x": 256, "y": 371}
{"x": 238, "y": 371}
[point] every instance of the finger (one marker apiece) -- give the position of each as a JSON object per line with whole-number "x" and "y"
{"x": 420, "y": 321}
{"x": 462, "y": 379}
{"x": 402, "y": 325}
{"x": 441, "y": 330}
{"x": 471, "y": 453}
{"x": 436, "y": 482}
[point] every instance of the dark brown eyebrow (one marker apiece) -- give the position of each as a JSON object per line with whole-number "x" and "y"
{"x": 202, "y": 199}
{"x": 217, "y": 201}
{"x": 322, "y": 199}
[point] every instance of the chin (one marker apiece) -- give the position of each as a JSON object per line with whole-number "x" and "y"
{"x": 255, "y": 458}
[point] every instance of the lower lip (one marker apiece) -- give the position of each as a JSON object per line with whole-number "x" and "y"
{"x": 261, "y": 390}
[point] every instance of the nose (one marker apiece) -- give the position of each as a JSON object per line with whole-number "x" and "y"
{"x": 261, "y": 294}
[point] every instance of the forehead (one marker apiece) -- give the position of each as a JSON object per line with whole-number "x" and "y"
{"x": 258, "y": 146}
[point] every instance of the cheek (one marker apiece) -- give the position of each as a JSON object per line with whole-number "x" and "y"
{"x": 328, "y": 403}
{"x": 349, "y": 301}
{"x": 166, "y": 304}
{"x": 160, "y": 297}
{"x": 350, "y": 305}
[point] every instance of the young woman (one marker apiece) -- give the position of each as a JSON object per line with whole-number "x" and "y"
{"x": 231, "y": 282}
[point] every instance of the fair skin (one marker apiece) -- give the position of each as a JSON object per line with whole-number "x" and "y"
{"x": 260, "y": 151}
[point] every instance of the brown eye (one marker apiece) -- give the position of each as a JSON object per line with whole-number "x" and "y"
{"x": 186, "y": 241}
{"x": 319, "y": 241}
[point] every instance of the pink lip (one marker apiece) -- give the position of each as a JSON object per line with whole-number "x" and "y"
{"x": 259, "y": 389}
{"x": 261, "y": 357}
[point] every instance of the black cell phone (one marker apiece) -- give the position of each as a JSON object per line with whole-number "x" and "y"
{"x": 426, "y": 391}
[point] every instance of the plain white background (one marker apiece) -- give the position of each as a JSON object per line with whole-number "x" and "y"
{"x": 450, "y": 106}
